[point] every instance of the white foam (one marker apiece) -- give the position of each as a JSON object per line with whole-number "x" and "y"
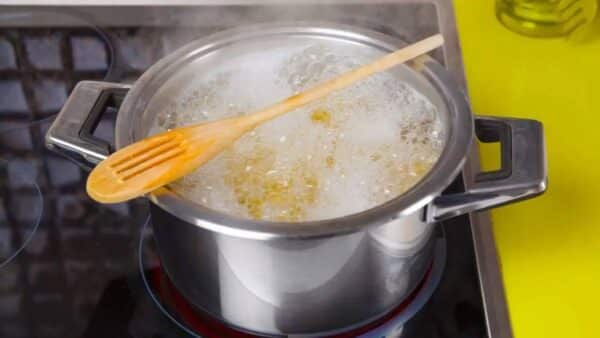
{"x": 355, "y": 149}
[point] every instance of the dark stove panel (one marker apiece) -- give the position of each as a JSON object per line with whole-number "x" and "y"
{"x": 69, "y": 267}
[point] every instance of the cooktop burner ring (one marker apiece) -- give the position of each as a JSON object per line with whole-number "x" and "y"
{"x": 44, "y": 64}
{"x": 68, "y": 18}
{"x": 390, "y": 325}
{"x": 144, "y": 233}
{"x": 19, "y": 227}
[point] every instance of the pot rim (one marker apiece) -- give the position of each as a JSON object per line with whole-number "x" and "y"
{"x": 458, "y": 139}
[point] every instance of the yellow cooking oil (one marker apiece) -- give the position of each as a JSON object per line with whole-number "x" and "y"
{"x": 547, "y": 18}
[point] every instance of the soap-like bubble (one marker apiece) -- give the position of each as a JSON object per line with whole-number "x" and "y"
{"x": 348, "y": 152}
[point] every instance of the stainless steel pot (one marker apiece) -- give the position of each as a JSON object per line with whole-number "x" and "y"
{"x": 312, "y": 277}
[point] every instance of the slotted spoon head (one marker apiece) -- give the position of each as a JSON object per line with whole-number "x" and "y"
{"x": 158, "y": 160}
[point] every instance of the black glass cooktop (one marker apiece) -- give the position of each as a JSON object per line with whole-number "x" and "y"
{"x": 70, "y": 267}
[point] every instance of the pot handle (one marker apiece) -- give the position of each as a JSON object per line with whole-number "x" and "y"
{"x": 71, "y": 133}
{"x": 523, "y": 173}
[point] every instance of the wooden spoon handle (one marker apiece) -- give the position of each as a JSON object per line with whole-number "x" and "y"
{"x": 346, "y": 79}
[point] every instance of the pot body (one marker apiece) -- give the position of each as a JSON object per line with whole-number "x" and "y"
{"x": 294, "y": 286}
{"x": 312, "y": 277}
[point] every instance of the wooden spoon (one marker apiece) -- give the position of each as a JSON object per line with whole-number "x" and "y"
{"x": 163, "y": 158}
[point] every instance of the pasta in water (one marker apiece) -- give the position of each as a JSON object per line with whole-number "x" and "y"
{"x": 346, "y": 153}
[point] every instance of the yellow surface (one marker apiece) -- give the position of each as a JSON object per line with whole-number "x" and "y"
{"x": 550, "y": 246}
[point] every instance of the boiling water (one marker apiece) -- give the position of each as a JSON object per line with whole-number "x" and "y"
{"x": 346, "y": 153}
